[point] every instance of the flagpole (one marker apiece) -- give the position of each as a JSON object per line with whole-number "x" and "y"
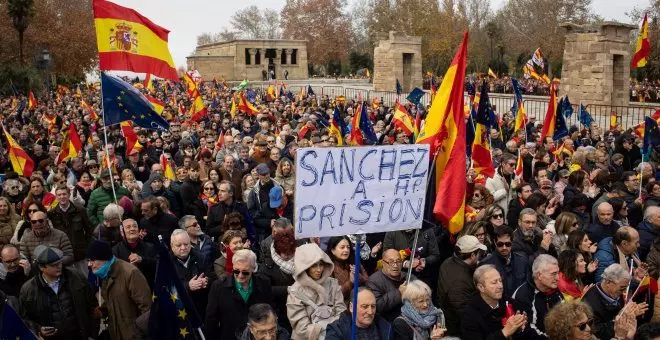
{"x": 630, "y": 281}
{"x": 412, "y": 252}
{"x": 356, "y": 283}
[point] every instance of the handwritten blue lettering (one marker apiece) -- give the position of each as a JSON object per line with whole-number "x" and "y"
{"x": 308, "y": 167}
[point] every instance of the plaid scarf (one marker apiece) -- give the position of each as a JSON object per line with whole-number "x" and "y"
{"x": 286, "y": 266}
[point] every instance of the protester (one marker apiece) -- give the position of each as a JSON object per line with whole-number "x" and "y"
{"x": 419, "y": 318}
{"x": 156, "y": 221}
{"x": 42, "y": 233}
{"x": 424, "y": 260}
{"x": 108, "y": 230}
{"x": 572, "y": 268}
{"x": 388, "y": 285}
{"x": 230, "y": 243}
{"x": 262, "y": 324}
{"x": 135, "y": 251}
{"x": 512, "y": 266}
{"x": 576, "y": 314}
{"x": 72, "y": 219}
{"x": 8, "y": 221}
{"x": 342, "y": 254}
{"x": 369, "y": 326}
{"x": 279, "y": 270}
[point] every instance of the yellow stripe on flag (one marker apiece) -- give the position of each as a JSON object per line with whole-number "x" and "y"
{"x": 144, "y": 41}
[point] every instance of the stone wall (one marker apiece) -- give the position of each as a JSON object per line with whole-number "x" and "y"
{"x": 218, "y": 67}
{"x": 389, "y": 62}
{"x": 596, "y": 63}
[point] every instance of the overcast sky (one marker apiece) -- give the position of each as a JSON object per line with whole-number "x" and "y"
{"x": 187, "y": 19}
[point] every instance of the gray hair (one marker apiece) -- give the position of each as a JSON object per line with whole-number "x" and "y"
{"x": 11, "y": 182}
{"x": 615, "y": 273}
{"x": 177, "y": 232}
{"x": 112, "y": 210}
{"x": 542, "y": 262}
{"x": 282, "y": 223}
{"x": 245, "y": 256}
{"x": 416, "y": 289}
{"x": 651, "y": 211}
{"x": 479, "y": 273}
{"x": 184, "y": 220}
{"x": 527, "y": 211}
{"x": 510, "y": 144}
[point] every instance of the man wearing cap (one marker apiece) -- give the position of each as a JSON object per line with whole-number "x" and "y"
{"x": 125, "y": 291}
{"x": 259, "y": 202}
{"x": 135, "y": 251}
{"x": 102, "y": 196}
{"x": 280, "y": 202}
{"x": 58, "y": 303}
{"x": 43, "y": 233}
{"x": 137, "y": 166}
{"x": 455, "y": 283}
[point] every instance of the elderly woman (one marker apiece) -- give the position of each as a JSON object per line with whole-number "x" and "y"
{"x": 653, "y": 194}
{"x": 244, "y": 289}
{"x": 13, "y": 190}
{"x": 419, "y": 319}
{"x": 279, "y": 269}
{"x": 129, "y": 182}
{"x": 285, "y": 176}
{"x": 247, "y": 185}
{"x": 569, "y": 321}
{"x": 315, "y": 300}
{"x": 230, "y": 243}
{"x": 564, "y": 224}
{"x": 8, "y": 221}
{"x": 341, "y": 252}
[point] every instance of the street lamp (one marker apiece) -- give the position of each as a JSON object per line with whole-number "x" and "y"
{"x": 46, "y": 63}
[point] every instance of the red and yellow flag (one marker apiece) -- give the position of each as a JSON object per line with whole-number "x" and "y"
{"x": 356, "y": 134}
{"x": 148, "y": 83}
{"x": 191, "y": 86}
{"x": 158, "y": 104}
{"x": 612, "y": 121}
{"x": 71, "y": 145}
{"x": 168, "y": 170}
{"x": 233, "y": 110}
{"x": 20, "y": 161}
{"x": 131, "y": 137}
{"x": 402, "y": 119}
{"x": 245, "y": 106}
{"x": 197, "y": 109}
{"x": 519, "y": 166}
{"x": 444, "y": 130}
{"x": 550, "y": 122}
{"x": 32, "y": 103}
{"x": 128, "y": 41}
{"x": 89, "y": 109}
{"x": 643, "y": 47}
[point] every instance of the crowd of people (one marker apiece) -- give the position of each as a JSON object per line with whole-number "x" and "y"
{"x": 568, "y": 250}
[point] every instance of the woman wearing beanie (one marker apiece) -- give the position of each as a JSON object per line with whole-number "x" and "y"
{"x": 125, "y": 291}
{"x": 315, "y": 300}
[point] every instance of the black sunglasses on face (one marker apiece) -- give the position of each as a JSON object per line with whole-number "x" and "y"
{"x": 32, "y": 210}
{"x": 583, "y": 325}
{"x": 244, "y": 272}
{"x": 503, "y": 244}
{"x": 39, "y": 221}
{"x": 498, "y": 216}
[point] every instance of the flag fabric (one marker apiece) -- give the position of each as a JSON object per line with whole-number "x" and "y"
{"x": 13, "y": 326}
{"x": 415, "y": 95}
{"x": 643, "y": 46}
{"x": 32, "y": 103}
{"x": 550, "y": 121}
{"x": 148, "y": 83}
{"x": 233, "y": 109}
{"x": 561, "y": 130}
{"x": 310, "y": 91}
{"x": 242, "y": 85}
{"x": 399, "y": 88}
{"x": 221, "y": 141}
{"x": 191, "y": 86}
{"x": 367, "y": 127}
{"x": 89, "y": 109}
{"x": 418, "y": 124}
{"x": 612, "y": 120}
{"x": 71, "y": 145}
{"x": 271, "y": 91}
{"x": 566, "y": 107}
{"x": 585, "y": 117}
{"x": 481, "y": 158}
{"x": 173, "y": 314}
{"x": 444, "y": 130}
{"x": 368, "y": 74}
{"x": 245, "y": 106}
{"x": 469, "y": 132}
{"x": 168, "y": 170}
{"x": 519, "y": 166}
{"x": 197, "y": 109}
{"x": 122, "y": 102}
{"x": 132, "y": 142}
{"x": 356, "y": 135}
{"x": 158, "y": 105}
{"x": 20, "y": 161}
{"x": 651, "y": 137}
{"x": 63, "y": 89}
{"x": 78, "y": 92}
{"x": 402, "y": 119}
{"x": 491, "y": 73}
{"x": 535, "y": 67}
{"x": 128, "y": 41}
{"x": 518, "y": 108}
{"x": 336, "y": 126}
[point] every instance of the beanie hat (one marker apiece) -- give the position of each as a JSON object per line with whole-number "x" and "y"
{"x": 127, "y": 204}
{"x": 99, "y": 250}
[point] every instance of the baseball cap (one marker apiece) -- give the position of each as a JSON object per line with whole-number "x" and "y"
{"x": 468, "y": 243}
{"x": 275, "y": 197}
{"x": 45, "y": 254}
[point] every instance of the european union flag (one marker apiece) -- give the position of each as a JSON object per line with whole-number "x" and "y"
{"x": 367, "y": 127}
{"x": 310, "y": 92}
{"x": 651, "y": 137}
{"x": 561, "y": 129}
{"x": 290, "y": 96}
{"x": 250, "y": 95}
{"x": 324, "y": 122}
{"x": 13, "y": 326}
{"x": 566, "y": 108}
{"x": 173, "y": 315}
{"x": 585, "y": 117}
{"x": 469, "y": 134}
{"x": 399, "y": 89}
{"x": 122, "y": 102}
{"x": 415, "y": 95}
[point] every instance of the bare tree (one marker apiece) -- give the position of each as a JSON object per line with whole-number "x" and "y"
{"x": 254, "y": 23}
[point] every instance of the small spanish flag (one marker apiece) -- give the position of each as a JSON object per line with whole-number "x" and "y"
{"x": 519, "y": 166}
{"x": 245, "y": 106}
{"x": 167, "y": 168}
{"x": 131, "y": 137}
{"x": 643, "y": 46}
{"x": 20, "y": 161}
{"x": 89, "y": 109}
{"x": 148, "y": 83}
{"x": 71, "y": 145}
{"x": 612, "y": 121}
{"x": 491, "y": 73}
{"x": 32, "y": 103}
{"x": 157, "y": 104}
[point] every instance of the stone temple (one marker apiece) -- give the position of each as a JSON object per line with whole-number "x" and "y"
{"x": 398, "y": 57}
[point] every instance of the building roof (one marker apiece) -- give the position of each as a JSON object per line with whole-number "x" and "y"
{"x": 251, "y": 40}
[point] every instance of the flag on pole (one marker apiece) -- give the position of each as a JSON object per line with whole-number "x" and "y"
{"x": 13, "y": 326}
{"x": 356, "y": 135}
{"x": 399, "y": 88}
{"x": 168, "y": 170}
{"x": 20, "y": 161}
{"x": 158, "y": 105}
{"x": 132, "y": 142}
{"x": 518, "y": 108}
{"x": 535, "y": 67}
{"x": 491, "y": 73}
{"x": 651, "y": 137}
{"x": 643, "y": 46}
{"x": 191, "y": 86}
{"x": 89, "y": 109}
{"x": 444, "y": 131}
{"x": 585, "y": 117}
{"x": 32, "y": 103}
{"x": 550, "y": 121}
{"x": 336, "y": 128}
{"x": 481, "y": 158}
{"x": 245, "y": 106}
{"x": 612, "y": 120}
{"x": 561, "y": 130}
{"x": 197, "y": 109}
{"x": 148, "y": 83}
{"x": 128, "y": 41}
{"x": 519, "y": 166}
{"x": 71, "y": 145}
{"x": 402, "y": 119}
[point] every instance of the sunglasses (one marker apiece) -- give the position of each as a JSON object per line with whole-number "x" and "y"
{"x": 208, "y": 189}
{"x": 39, "y": 221}
{"x": 32, "y": 210}
{"x": 498, "y": 216}
{"x": 193, "y": 225}
{"x": 583, "y": 325}
{"x": 244, "y": 272}
{"x": 13, "y": 188}
{"x": 503, "y": 244}
{"x": 511, "y": 164}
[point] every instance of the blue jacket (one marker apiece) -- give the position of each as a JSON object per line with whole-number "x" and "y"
{"x": 341, "y": 329}
{"x": 513, "y": 274}
{"x": 606, "y": 255}
{"x": 647, "y": 233}
{"x": 598, "y": 231}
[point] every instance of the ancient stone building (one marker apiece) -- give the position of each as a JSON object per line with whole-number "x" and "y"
{"x": 596, "y": 63}
{"x": 398, "y": 57}
{"x": 251, "y": 59}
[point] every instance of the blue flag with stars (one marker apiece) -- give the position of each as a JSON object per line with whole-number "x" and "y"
{"x": 399, "y": 88}
{"x": 415, "y": 95}
{"x": 13, "y": 327}
{"x": 651, "y": 137}
{"x": 585, "y": 117}
{"x": 173, "y": 315}
{"x": 122, "y": 102}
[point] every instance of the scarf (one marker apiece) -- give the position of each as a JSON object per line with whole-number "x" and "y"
{"x": 421, "y": 322}
{"x": 86, "y": 185}
{"x": 208, "y": 200}
{"x": 229, "y": 266}
{"x": 286, "y": 266}
{"x": 104, "y": 271}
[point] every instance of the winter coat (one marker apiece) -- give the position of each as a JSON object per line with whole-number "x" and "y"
{"x": 216, "y": 217}
{"x": 604, "y": 312}
{"x": 608, "y": 254}
{"x": 282, "y": 334}
{"x": 13, "y": 281}
{"x": 342, "y": 273}
{"x": 55, "y": 238}
{"x": 429, "y": 250}
{"x": 7, "y": 226}
{"x": 598, "y": 231}
{"x": 513, "y": 274}
{"x": 280, "y": 283}
{"x": 500, "y": 189}
{"x": 647, "y": 233}
{"x": 146, "y": 251}
{"x": 205, "y": 251}
{"x": 527, "y": 298}
{"x": 195, "y": 267}
{"x": 325, "y": 291}
{"x": 569, "y": 192}
{"x": 75, "y": 223}
{"x": 236, "y": 179}
{"x": 455, "y": 287}
{"x": 653, "y": 259}
{"x": 108, "y": 234}
{"x": 479, "y": 321}
{"x": 531, "y": 248}
{"x": 513, "y": 212}
{"x": 226, "y": 312}
{"x": 260, "y": 211}
{"x": 341, "y": 329}
{"x": 388, "y": 297}
{"x": 70, "y": 310}
{"x": 127, "y": 295}
{"x": 99, "y": 199}
{"x": 167, "y": 194}
{"x": 160, "y": 224}
{"x": 189, "y": 191}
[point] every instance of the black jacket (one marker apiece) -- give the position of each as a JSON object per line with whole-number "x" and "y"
{"x": 388, "y": 297}
{"x": 598, "y": 231}
{"x": 429, "y": 251}
{"x": 341, "y": 329}
{"x": 189, "y": 191}
{"x": 530, "y": 248}
{"x": 76, "y": 225}
{"x": 513, "y": 211}
{"x": 280, "y": 282}
{"x": 195, "y": 266}
{"x": 226, "y": 312}
{"x": 145, "y": 250}
{"x": 536, "y": 304}
{"x": 513, "y": 274}
{"x": 481, "y": 322}
{"x": 217, "y": 214}
{"x": 160, "y": 224}
{"x": 604, "y": 312}
{"x": 455, "y": 288}
{"x": 12, "y": 283}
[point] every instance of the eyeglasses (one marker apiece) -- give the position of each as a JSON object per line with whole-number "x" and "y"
{"x": 193, "y": 225}
{"x": 265, "y": 332}
{"x": 583, "y": 325}
{"x": 498, "y": 216}
{"x": 209, "y": 189}
{"x": 393, "y": 263}
{"x": 234, "y": 224}
{"x": 39, "y": 221}
{"x": 270, "y": 141}
{"x": 32, "y": 210}
{"x": 503, "y": 244}
{"x": 511, "y": 164}
{"x": 243, "y": 272}
{"x": 12, "y": 261}
{"x": 13, "y": 188}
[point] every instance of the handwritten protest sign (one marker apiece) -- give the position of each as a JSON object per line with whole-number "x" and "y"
{"x": 365, "y": 189}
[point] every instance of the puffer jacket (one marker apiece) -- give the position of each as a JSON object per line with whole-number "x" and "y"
{"x": 75, "y": 223}
{"x": 325, "y": 291}
{"x": 99, "y": 199}
{"x": 647, "y": 233}
{"x": 7, "y": 226}
{"x": 55, "y": 238}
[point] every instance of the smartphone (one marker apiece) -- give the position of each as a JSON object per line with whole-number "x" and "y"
{"x": 49, "y": 328}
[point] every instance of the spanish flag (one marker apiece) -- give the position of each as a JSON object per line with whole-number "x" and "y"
{"x": 245, "y": 106}
{"x": 157, "y": 104}
{"x": 643, "y": 47}
{"x": 197, "y": 109}
{"x": 550, "y": 122}
{"x": 71, "y": 145}
{"x": 131, "y": 137}
{"x": 445, "y": 131}
{"x": 168, "y": 170}
{"x": 20, "y": 161}
{"x": 491, "y": 73}
{"x": 89, "y": 109}
{"x": 612, "y": 121}
{"x": 148, "y": 83}
{"x": 233, "y": 110}
{"x": 356, "y": 134}
{"x": 481, "y": 158}
{"x": 518, "y": 108}
{"x": 402, "y": 119}
{"x": 519, "y": 166}
{"x": 336, "y": 127}
{"x": 32, "y": 103}
{"x": 128, "y": 41}
{"x": 191, "y": 86}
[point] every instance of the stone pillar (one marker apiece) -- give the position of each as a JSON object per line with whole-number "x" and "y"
{"x": 287, "y": 56}
{"x": 252, "y": 52}
{"x": 278, "y": 54}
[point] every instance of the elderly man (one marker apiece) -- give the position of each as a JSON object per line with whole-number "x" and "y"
{"x": 68, "y": 311}
{"x": 243, "y": 289}
{"x": 537, "y": 296}
{"x": 649, "y": 230}
{"x": 72, "y": 219}
{"x": 388, "y": 285}
{"x": 502, "y": 183}
{"x": 370, "y": 326}
{"x": 16, "y": 270}
{"x": 199, "y": 241}
{"x": 157, "y": 189}
{"x": 135, "y": 251}
{"x": 102, "y": 196}
{"x": 622, "y": 249}
{"x": 512, "y": 266}
{"x": 226, "y": 205}
{"x": 606, "y": 300}
{"x": 43, "y": 233}
{"x": 482, "y": 316}
{"x": 125, "y": 291}
{"x": 603, "y": 225}
{"x": 262, "y": 324}
{"x": 108, "y": 230}
{"x": 196, "y": 274}
{"x": 427, "y": 258}
{"x": 156, "y": 221}
{"x": 529, "y": 240}
{"x": 229, "y": 172}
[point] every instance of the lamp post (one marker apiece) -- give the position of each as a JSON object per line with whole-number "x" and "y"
{"x": 45, "y": 63}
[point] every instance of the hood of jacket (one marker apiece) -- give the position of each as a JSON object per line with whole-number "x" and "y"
{"x": 306, "y": 256}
